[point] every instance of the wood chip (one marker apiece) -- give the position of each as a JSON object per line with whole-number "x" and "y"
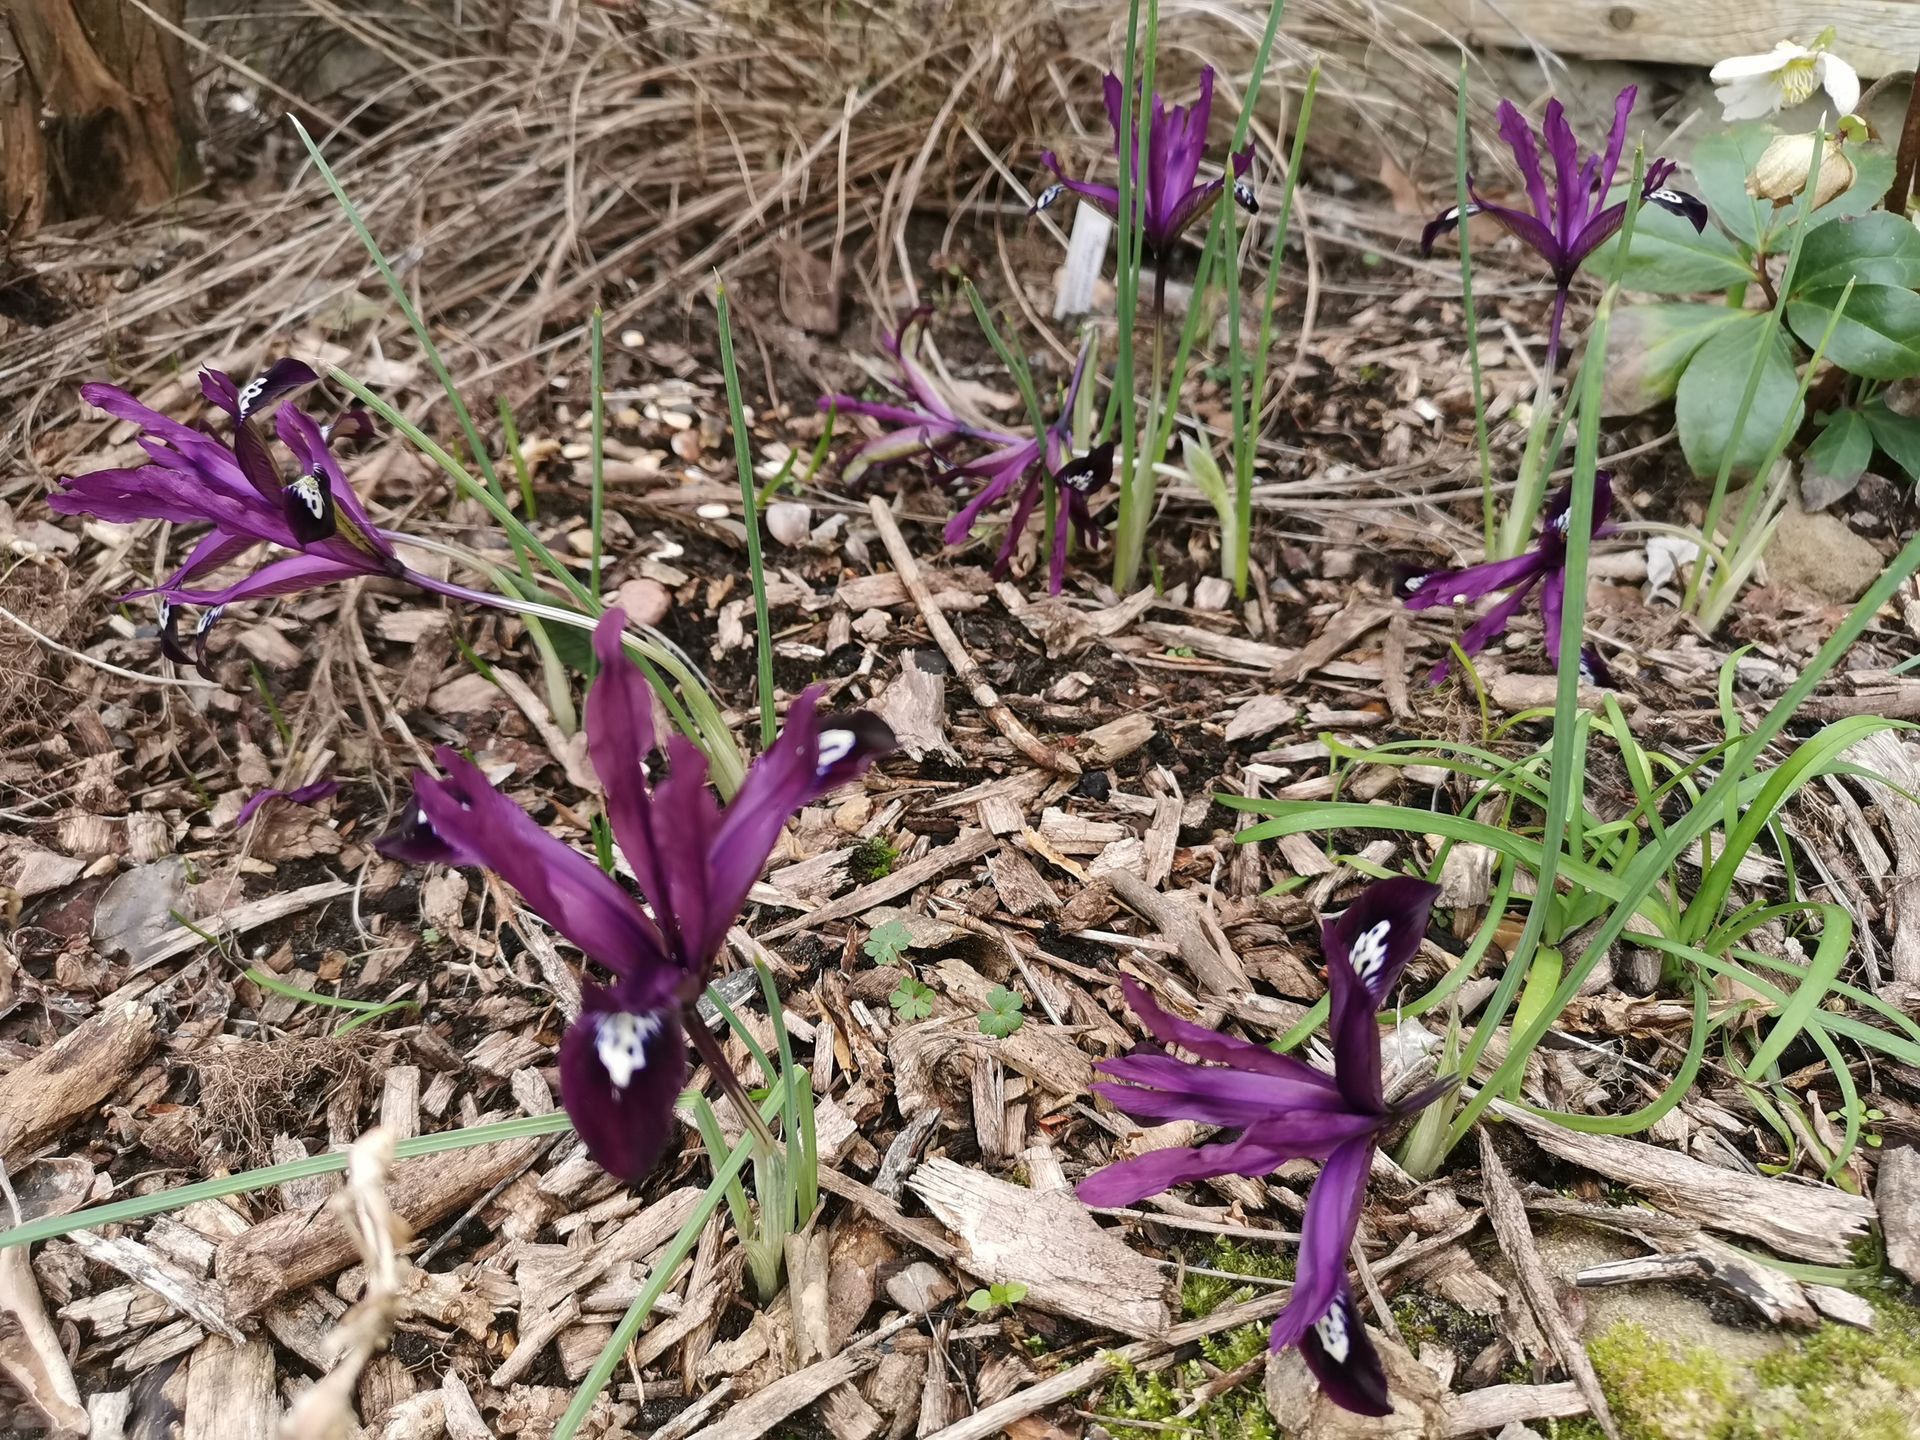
{"x": 965, "y": 848}
{"x": 70, "y": 1078}
{"x": 1896, "y": 1195}
{"x": 1808, "y": 1222}
{"x": 1048, "y": 1242}
{"x": 1509, "y": 1217}
{"x": 766, "y": 1408}
{"x": 230, "y": 1391}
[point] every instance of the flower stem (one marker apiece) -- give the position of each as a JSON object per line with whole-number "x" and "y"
{"x": 709, "y": 1051}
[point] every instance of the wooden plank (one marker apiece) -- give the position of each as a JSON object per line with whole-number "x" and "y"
{"x": 1876, "y": 37}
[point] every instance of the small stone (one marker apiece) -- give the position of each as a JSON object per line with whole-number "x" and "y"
{"x": 645, "y": 601}
{"x": 713, "y": 510}
{"x": 789, "y": 521}
{"x": 920, "y": 1288}
{"x": 633, "y": 339}
{"x": 1212, "y": 593}
{"x": 1820, "y": 555}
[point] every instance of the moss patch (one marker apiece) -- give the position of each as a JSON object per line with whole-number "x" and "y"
{"x": 872, "y": 859}
{"x": 1835, "y": 1384}
{"x": 1156, "y": 1399}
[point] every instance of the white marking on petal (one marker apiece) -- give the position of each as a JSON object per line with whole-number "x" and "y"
{"x": 1332, "y": 1330}
{"x": 1244, "y": 197}
{"x": 207, "y": 619}
{"x": 835, "y": 746}
{"x": 1413, "y": 584}
{"x": 310, "y": 493}
{"x": 1048, "y": 196}
{"x": 250, "y": 395}
{"x": 1369, "y": 950}
{"x": 620, "y": 1040}
{"x": 1562, "y": 521}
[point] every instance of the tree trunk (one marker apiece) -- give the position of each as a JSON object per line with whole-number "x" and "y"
{"x": 96, "y": 116}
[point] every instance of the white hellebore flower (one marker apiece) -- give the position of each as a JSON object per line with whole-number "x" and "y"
{"x": 1750, "y": 86}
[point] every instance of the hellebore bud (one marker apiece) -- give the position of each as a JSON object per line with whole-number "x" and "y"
{"x": 1781, "y": 172}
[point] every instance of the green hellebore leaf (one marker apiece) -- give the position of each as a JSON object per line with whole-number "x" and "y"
{"x": 1721, "y": 164}
{"x": 1709, "y": 396}
{"x": 1835, "y": 461}
{"x": 1648, "y": 347}
{"x": 1668, "y": 258}
{"x": 1878, "y": 336}
{"x": 1878, "y": 249}
{"x": 1897, "y": 435}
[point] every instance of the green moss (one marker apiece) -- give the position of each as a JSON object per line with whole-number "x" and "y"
{"x": 872, "y": 859}
{"x": 1836, "y": 1384}
{"x": 1427, "y": 1318}
{"x": 1156, "y": 1399}
{"x": 1659, "y": 1392}
{"x": 1201, "y": 1295}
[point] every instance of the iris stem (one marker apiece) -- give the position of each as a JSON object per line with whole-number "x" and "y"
{"x": 715, "y": 1058}
{"x": 750, "y": 513}
{"x": 597, "y": 498}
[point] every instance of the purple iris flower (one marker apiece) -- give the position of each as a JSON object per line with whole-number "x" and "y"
{"x": 1567, "y": 224}
{"x": 240, "y": 488}
{"x": 1287, "y": 1110}
{"x": 1544, "y": 566}
{"x": 1172, "y": 195}
{"x": 931, "y": 425}
{"x": 623, "y": 1061}
{"x": 304, "y": 795}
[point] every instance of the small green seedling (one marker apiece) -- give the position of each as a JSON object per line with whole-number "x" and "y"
{"x": 996, "y": 1296}
{"x": 888, "y": 943}
{"x": 911, "y": 1000}
{"x": 1002, "y": 1016}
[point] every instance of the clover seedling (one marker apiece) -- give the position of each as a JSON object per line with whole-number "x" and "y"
{"x": 1002, "y": 1016}
{"x": 911, "y": 1000}
{"x": 888, "y": 943}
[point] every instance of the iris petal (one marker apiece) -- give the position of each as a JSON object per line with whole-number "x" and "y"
{"x": 1343, "y": 1359}
{"x": 622, "y": 1066}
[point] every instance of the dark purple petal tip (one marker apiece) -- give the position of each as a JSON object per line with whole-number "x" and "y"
{"x": 304, "y": 795}
{"x": 1690, "y": 208}
{"x": 1447, "y": 220}
{"x": 1380, "y": 931}
{"x": 847, "y": 744}
{"x": 412, "y": 840}
{"x": 282, "y": 377}
{"x": 1344, "y": 1360}
{"x": 622, "y": 1066}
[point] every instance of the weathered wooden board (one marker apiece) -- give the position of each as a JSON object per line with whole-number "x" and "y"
{"x": 1876, "y": 36}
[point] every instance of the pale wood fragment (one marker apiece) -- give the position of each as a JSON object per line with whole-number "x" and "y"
{"x": 68, "y": 1079}
{"x": 1478, "y": 1412}
{"x": 766, "y": 1408}
{"x": 1215, "y": 969}
{"x": 1048, "y": 1242}
{"x": 1896, "y": 1194}
{"x": 230, "y": 1390}
{"x": 1878, "y": 37}
{"x": 295, "y": 1249}
{"x": 179, "y": 1287}
{"x": 964, "y": 848}
{"x": 1808, "y": 1222}
{"x": 1509, "y": 1217}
